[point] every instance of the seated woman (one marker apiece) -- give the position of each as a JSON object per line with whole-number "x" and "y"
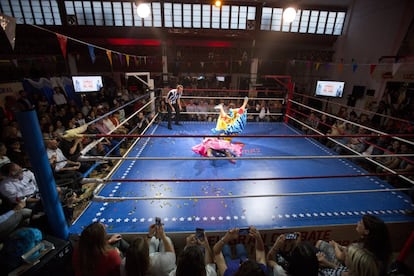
{"x": 233, "y": 122}
{"x": 218, "y": 148}
{"x": 94, "y": 254}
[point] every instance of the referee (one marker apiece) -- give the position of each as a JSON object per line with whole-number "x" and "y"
{"x": 173, "y": 103}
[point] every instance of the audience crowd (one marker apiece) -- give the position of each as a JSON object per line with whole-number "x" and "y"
{"x": 97, "y": 253}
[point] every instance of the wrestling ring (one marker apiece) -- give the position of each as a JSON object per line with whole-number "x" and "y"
{"x": 286, "y": 180}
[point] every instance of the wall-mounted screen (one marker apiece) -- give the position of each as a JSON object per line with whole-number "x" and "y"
{"x": 330, "y": 88}
{"x": 85, "y": 84}
{"x": 220, "y": 78}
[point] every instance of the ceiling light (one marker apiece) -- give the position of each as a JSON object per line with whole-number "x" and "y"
{"x": 143, "y": 10}
{"x": 289, "y": 15}
{"x": 217, "y": 3}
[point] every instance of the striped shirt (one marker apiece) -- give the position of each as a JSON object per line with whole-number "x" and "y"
{"x": 172, "y": 96}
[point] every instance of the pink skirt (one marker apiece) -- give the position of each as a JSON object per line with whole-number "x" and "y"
{"x": 218, "y": 144}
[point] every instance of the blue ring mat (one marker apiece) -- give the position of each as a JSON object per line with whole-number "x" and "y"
{"x": 220, "y": 214}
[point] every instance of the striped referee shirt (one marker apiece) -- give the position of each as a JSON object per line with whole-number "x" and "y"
{"x": 172, "y": 96}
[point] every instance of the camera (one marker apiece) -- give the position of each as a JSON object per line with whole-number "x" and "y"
{"x": 291, "y": 236}
{"x": 244, "y": 231}
{"x": 158, "y": 221}
{"x": 200, "y": 234}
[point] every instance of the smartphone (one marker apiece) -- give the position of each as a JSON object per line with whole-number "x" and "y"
{"x": 157, "y": 221}
{"x": 200, "y": 234}
{"x": 244, "y": 231}
{"x": 291, "y": 236}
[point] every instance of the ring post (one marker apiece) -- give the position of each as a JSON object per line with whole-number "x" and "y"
{"x": 34, "y": 146}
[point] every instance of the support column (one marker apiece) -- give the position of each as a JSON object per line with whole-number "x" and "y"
{"x": 34, "y": 146}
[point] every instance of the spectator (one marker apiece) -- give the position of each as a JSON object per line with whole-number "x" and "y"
{"x": 196, "y": 258}
{"x": 241, "y": 266}
{"x": 20, "y": 185}
{"x": 374, "y": 237}
{"x": 294, "y": 257}
{"x": 12, "y": 218}
{"x": 361, "y": 261}
{"x": 59, "y": 97}
{"x": 153, "y": 256}
{"x": 142, "y": 122}
{"x": 65, "y": 171}
{"x": 3, "y": 157}
{"x": 94, "y": 254}
{"x": 17, "y": 155}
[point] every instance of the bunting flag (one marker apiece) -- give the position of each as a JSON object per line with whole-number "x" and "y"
{"x": 8, "y": 24}
{"x": 372, "y": 68}
{"x": 127, "y": 60}
{"x": 92, "y": 53}
{"x": 109, "y": 55}
{"x": 136, "y": 60}
{"x": 308, "y": 64}
{"x": 121, "y": 60}
{"x": 354, "y": 67}
{"x": 63, "y": 40}
{"x": 317, "y": 66}
{"x": 395, "y": 67}
{"x": 340, "y": 67}
{"x": 202, "y": 64}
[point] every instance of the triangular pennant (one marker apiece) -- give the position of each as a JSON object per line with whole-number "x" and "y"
{"x": 317, "y": 66}
{"x": 109, "y": 55}
{"x": 8, "y": 24}
{"x": 395, "y": 67}
{"x": 92, "y": 53}
{"x": 340, "y": 67}
{"x": 127, "y": 60}
{"x": 372, "y": 68}
{"x": 354, "y": 67}
{"x": 121, "y": 60}
{"x": 308, "y": 64}
{"x": 62, "y": 42}
{"x": 202, "y": 64}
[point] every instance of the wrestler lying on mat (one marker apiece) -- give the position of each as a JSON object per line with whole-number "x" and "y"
{"x": 233, "y": 122}
{"x": 215, "y": 147}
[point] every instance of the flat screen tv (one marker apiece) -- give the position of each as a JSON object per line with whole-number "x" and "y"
{"x": 330, "y": 88}
{"x": 85, "y": 84}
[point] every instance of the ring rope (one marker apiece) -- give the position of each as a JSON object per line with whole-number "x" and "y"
{"x": 106, "y": 199}
{"x": 288, "y": 157}
{"x": 243, "y": 136}
{"x": 355, "y": 108}
{"x": 88, "y": 147}
{"x": 234, "y": 98}
{"x": 252, "y": 178}
{"x": 353, "y": 123}
{"x": 367, "y": 157}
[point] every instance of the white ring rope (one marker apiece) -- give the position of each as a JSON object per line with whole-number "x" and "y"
{"x": 106, "y": 199}
{"x": 88, "y": 147}
{"x": 234, "y": 98}
{"x": 360, "y": 155}
{"x": 353, "y": 123}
